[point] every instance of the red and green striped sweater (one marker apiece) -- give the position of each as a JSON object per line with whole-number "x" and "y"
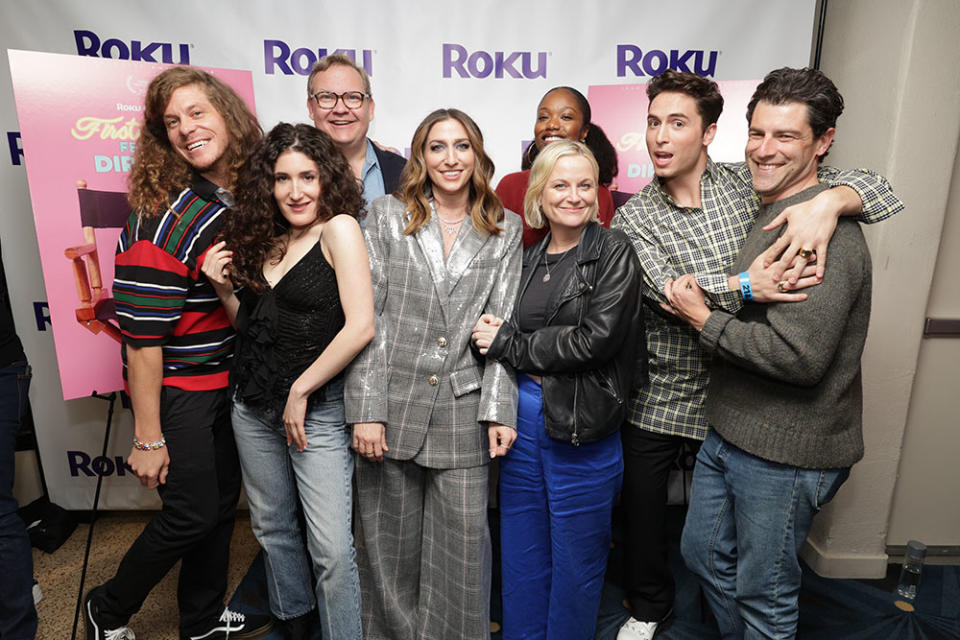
{"x": 163, "y": 299}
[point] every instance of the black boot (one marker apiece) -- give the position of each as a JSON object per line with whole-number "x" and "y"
{"x": 300, "y": 628}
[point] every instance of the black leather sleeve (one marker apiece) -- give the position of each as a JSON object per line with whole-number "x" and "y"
{"x": 612, "y": 310}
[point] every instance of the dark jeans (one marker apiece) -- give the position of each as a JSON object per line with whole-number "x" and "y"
{"x": 647, "y": 460}
{"x": 196, "y": 521}
{"x": 18, "y": 618}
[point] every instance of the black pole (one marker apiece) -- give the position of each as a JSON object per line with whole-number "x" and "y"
{"x": 112, "y": 399}
{"x": 821, "y": 23}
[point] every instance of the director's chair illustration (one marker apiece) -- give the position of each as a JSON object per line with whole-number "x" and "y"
{"x": 98, "y": 210}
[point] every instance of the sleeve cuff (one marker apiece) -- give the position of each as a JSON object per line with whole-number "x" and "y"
{"x": 713, "y": 328}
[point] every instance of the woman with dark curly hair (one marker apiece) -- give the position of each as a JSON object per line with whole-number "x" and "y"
{"x": 563, "y": 114}
{"x": 304, "y": 311}
{"x": 428, "y": 413}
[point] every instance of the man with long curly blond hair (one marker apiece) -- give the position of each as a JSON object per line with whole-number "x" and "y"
{"x": 177, "y": 346}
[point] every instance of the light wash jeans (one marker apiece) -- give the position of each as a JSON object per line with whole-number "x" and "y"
{"x": 274, "y": 474}
{"x": 747, "y": 521}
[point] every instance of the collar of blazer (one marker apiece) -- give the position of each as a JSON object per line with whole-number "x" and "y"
{"x": 465, "y": 248}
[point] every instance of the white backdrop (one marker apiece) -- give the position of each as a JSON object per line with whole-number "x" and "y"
{"x": 491, "y": 58}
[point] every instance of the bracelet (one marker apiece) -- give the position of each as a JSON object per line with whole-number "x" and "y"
{"x": 745, "y": 288}
{"x": 149, "y": 446}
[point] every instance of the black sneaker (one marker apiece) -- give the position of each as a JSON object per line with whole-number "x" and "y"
{"x": 235, "y": 626}
{"x": 95, "y": 627}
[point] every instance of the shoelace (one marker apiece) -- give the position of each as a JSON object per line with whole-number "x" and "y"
{"x": 123, "y": 633}
{"x": 232, "y": 616}
{"x": 639, "y": 626}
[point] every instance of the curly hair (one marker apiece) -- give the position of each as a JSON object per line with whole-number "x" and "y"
{"x": 603, "y": 152}
{"x": 596, "y": 139}
{"x": 255, "y": 228}
{"x": 415, "y": 189}
{"x": 157, "y": 167}
{"x": 704, "y": 92}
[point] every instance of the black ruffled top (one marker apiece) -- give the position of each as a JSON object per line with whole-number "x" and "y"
{"x": 283, "y": 330}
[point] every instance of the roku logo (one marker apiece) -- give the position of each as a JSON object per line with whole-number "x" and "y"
{"x": 89, "y": 44}
{"x": 277, "y": 57}
{"x": 630, "y": 58}
{"x": 480, "y": 64}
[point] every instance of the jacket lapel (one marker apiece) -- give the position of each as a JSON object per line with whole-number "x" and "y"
{"x": 431, "y": 244}
{"x": 464, "y": 250}
{"x": 468, "y": 244}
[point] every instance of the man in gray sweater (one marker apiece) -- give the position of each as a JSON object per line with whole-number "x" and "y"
{"x": 784, "y": 401}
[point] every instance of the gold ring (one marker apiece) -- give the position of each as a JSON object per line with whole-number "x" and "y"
{"x": 806, "y": 254}
{"x": 782, "y": 286}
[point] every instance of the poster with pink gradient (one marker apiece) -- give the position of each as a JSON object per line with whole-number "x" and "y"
{"x": 622, "y": 112}
{"x": 80, "y": 118}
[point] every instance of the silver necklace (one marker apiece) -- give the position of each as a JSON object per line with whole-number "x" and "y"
{"x": 450, "y": 227}
{"x": 546, "y": 265}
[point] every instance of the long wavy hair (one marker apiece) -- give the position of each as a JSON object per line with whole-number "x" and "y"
{"x": 255, "y": 228}
{"x": 157, "y": 167}
{"x": 415, "y": 190}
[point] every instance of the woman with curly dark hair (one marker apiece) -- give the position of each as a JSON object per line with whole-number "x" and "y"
{"x": 304, "y": 311}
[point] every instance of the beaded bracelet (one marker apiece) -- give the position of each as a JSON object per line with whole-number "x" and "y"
{"x": 745, "y": 289}
{"x": 149, "y": 446}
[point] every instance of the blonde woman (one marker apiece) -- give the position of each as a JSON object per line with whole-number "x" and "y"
{"x": 576, "y": 342}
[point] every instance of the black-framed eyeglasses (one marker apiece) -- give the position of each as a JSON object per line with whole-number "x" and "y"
{"x": 328, "y": 99}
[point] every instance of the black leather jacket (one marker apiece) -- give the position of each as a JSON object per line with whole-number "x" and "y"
{"x": 592, "y": 353}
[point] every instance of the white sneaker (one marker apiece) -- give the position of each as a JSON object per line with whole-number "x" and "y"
{"x": 634, "y": 629}
{"x": 37, "y": 593}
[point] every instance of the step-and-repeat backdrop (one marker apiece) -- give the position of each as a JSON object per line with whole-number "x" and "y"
{"x": 494, "y": 59}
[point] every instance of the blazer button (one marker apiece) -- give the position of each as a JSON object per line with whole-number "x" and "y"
{"x": 433, "y": 380}
{"x": 441, "y": 341}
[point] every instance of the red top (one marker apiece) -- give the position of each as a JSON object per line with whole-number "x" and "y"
{"x": 513, "y": 188}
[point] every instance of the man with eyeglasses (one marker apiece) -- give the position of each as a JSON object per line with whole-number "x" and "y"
{"x": 341, "y": 105}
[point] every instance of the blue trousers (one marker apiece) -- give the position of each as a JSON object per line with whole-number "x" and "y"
{"x": 18, "y": 618}
{"x": 555, "y": 506}
{"x": 748, "y": 519}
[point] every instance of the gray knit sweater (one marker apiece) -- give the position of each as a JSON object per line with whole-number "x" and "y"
{"x": 786, "y": 386}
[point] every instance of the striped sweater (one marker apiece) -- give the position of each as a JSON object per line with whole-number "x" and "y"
{"x": 162, "y": 298}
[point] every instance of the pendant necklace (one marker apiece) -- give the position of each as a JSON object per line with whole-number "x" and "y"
{"x": 546, "y": 265}
{"x": 450, "y": 227}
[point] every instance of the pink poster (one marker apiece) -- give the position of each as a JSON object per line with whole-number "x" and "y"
{"x": 622, "y": 112}
{"x": 80, "y": 118}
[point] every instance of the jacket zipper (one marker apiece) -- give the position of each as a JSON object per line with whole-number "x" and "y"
{"x": 575, "y": 438}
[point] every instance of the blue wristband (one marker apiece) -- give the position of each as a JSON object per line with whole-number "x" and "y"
{"x": 745, "y": 288}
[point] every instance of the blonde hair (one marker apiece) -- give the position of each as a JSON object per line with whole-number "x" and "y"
{"x": 540, "y": 172}
{"x": 338, "y": 59}
{"x": 486, "y": 209}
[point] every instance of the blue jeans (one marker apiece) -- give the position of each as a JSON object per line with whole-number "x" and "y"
{"x": 274, "y": 474}
{"x": 556, "y": 502}
{"x": 747, "y": 521}
{"x": 18, "y": 618}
